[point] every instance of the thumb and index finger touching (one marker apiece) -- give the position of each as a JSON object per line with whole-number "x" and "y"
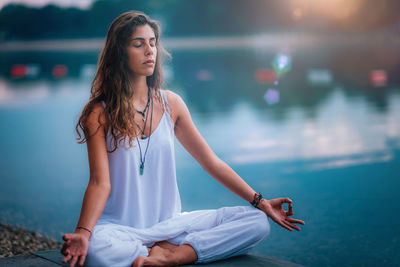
{"x": 286, "y": 200}
{"x": 290, "y": 202}
{"x": 290, "y": 212}
{"x": 66, "y": 237}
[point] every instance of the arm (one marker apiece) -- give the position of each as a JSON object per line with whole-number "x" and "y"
{"x": 190, "y": 138}
{"x": 97, "y": 191}
{"x": 99, "y": 185}
{"x": 194, "y": 143}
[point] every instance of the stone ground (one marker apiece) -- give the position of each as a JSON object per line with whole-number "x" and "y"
{"x": 18, "y": 241}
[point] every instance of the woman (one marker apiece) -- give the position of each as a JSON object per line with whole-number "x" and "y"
{"x": 131, "y": 211}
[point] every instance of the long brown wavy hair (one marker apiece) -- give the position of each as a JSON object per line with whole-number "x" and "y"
{"x": 112, "y": 84}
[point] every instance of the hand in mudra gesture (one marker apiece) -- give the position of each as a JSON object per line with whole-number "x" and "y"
{"x": 274, "y": 209}
{"x": 75, "y": 248}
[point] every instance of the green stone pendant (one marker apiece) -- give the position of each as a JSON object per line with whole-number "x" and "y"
{"x": 143, "y": 137}
{"x": 141, "y": 168}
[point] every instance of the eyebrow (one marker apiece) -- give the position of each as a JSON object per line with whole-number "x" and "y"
{"x": 142, "y": 39}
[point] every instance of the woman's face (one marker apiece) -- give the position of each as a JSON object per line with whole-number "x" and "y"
{"x": 142, "y": 51}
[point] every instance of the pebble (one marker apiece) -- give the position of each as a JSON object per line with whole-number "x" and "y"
{"x": 18, "y": 241}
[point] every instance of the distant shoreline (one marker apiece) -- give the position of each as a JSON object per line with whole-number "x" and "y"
{"x": 18, "y": 241}
{"x": 263, "y": 41}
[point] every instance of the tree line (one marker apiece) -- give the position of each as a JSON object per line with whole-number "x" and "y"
{"x": 185, "y": 18}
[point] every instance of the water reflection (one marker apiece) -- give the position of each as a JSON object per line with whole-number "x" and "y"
{"x": 341, "y": 128}
{"x": 328, "y": 121}
{"x": 42, "y": 91}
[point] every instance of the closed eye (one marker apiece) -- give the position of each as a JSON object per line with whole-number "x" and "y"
{"x": 138, "y": 42}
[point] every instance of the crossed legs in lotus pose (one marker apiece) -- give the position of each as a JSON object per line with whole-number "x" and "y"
{"x": 164, "y": 253}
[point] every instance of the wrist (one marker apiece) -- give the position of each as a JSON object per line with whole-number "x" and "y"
{"x": 83, "y": 232}
{"x": 257, "y": 200}
{"x": 263, "y": 204}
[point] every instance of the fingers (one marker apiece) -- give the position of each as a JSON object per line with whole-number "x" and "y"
{"x": 73, "y": 262}
{"x": 286, "y": 200}
{"x": 63, "y": 250}
{"x": 295, "y": 221}
{"x": 290, "y": 211}
{"x": 82, "y": 260}
{"x": 284, "y": 225}
{"x": 67, "y": 258}
{"x": 288, "y": 225}
{"x": 292, "y": 225}
{"x": 65, "y": 237}
{"x": 74, "y": 258}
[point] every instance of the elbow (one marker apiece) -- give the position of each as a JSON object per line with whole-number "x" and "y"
{"x": 100, "y": 190}
{"x": 101, "y": 183}
{"x": 106, "y": 188}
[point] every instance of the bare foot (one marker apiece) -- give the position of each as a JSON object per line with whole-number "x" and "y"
{"x": 139, "y": 261}
{"x": 167, "y": 245}
{"x": 167, "y": 254}
{"x": 158, "y": 257}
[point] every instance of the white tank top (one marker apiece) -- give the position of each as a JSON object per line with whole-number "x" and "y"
{"x": 140, "y": 201}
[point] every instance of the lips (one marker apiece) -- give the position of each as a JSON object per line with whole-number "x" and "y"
{"x": 149, "y": 62}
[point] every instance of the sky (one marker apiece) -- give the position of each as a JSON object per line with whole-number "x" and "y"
{"x": 84, "y": 4}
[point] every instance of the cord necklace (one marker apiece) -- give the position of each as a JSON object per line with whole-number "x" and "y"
{"x": 147, "y": 105}
{"x": 143, "y": 158}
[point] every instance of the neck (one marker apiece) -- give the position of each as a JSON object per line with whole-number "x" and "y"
{"x": 140, "y": 95}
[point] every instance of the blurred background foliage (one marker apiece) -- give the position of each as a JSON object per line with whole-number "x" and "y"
{"x": 201, "y": 17}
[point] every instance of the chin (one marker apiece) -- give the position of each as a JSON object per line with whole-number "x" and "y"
{"x": 143, "y": 72}
{"x": 148, "y": 73}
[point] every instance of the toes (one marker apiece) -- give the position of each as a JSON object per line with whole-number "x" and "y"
{"x": 139, "y": 262}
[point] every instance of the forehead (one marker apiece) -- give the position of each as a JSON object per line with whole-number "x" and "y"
{"x": 143, "y": 31}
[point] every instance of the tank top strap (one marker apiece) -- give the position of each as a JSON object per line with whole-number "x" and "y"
{"x": 167, "y": 110}
{"x": 164, "y": 99}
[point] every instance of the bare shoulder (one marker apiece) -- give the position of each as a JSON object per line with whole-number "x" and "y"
{"x": 176, "y": 104}
{"x": 172, "y": 97}
{"x": 96, "y": 118}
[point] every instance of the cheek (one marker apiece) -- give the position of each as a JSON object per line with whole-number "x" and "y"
{"x": 133, "y": 58}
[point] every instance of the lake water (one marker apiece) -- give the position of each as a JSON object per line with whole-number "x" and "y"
{"x": 329, "y": 139}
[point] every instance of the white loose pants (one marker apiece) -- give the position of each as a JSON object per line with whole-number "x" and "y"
{"x": 213, "y": 234}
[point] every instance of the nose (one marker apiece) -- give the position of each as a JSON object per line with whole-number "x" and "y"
{"x": 149, "y": 50}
